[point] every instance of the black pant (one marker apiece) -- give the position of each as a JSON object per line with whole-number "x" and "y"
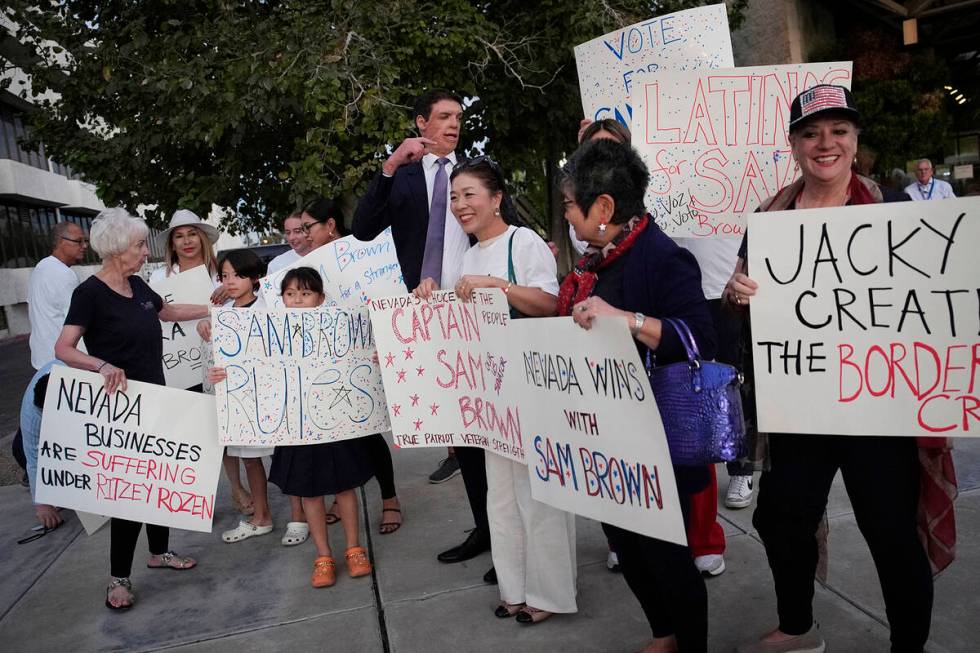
{"x": 472, "y": 465}
{"x": 123, "y": 535}
{"x": 669, "y": 587}
{"x": 881, "y": 476}
{"x": 377, "y": 450}
{"x": 728, "y": 328}
{"x": 17, "y": 449}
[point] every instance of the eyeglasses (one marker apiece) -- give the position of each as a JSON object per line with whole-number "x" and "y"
{"x": 306, "y": 226}
{"x": 77, "y": 241}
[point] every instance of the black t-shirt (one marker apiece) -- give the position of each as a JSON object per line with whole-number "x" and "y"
{"x": 124, "y": 331}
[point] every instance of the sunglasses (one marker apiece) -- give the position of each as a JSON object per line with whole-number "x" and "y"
{"x": 480, "y": 161}
{"x": 77, "y": 241}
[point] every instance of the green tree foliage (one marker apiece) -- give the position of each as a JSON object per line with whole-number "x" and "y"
{"x": 904, "y": 113}
{"x": 256, "y": 106}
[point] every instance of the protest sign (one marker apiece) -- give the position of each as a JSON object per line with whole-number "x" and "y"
{"x": 352, "y": 270}
{"x": 716, "y": 141}
{"x": 867, "y": 318}
{"x": 596, "y": 444}
{"x": 182, "y": 364}
{"x": 445, "y": 367}
{"x": 614, "y": 66}
{"x": 296, "y": 376}
{"x": 147, "y": 454}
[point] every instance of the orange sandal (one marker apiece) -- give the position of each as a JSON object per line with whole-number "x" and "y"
{"x": 357, "y": 561}
{"x": 324, "y": 572}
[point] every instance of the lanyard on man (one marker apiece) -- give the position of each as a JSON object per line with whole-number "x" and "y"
{"x": 923, "y": 193}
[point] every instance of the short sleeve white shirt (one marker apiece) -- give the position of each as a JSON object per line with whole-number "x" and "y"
{"x": 455, "y": 241}
{"x": 49, "y": 293}
{"x": 534, "y": 264}
{"x": 937, "y": 189}
{"x": 285, "y": 259}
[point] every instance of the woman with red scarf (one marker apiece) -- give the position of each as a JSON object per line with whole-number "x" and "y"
{"x": 633, "y": 270}
{"x": 882, "y": 475}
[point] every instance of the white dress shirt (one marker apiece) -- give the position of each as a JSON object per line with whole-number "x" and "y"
{"x": 455, "y": 242}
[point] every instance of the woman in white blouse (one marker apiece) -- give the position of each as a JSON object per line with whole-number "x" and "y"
{"x": 533, "y": 544}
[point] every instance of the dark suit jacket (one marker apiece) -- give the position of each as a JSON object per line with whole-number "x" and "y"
{"x": 402, "y": 203}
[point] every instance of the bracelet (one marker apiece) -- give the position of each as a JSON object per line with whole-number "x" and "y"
{"x": 638, "y": 319}
{"x": 99, "y": 368}
{"x": 507, "y": 287}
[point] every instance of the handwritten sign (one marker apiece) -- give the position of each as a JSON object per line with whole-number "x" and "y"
{"x": 182, "y": 361}
{"x": 867, "y": 318}
{"x": 716, "y": 141}
{"x": 148, "y": 454}
{"x": 445, "y": 367}
{"x": 596, "y": 445}
{"x": 612, "y": 67}
{"x": 353, "y": 271}
{"x": 296, "y": 376}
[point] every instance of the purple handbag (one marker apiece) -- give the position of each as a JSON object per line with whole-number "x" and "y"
{"x": 700, "y": 405}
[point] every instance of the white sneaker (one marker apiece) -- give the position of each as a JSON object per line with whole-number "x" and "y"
{"x": 712, "y": 564}
{"x": 739, "y": 492}
{"x": 612, "y": 561}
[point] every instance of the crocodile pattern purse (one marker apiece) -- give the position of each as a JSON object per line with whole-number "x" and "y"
{"x": 700, "y": 405}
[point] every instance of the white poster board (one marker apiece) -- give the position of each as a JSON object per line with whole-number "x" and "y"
{"x": 716, "y": 141}
{"x": 596, "y": 444}
{"x": 149, "y": 454}
{"x": 613, "y": 67}
{"x": 299, "y": 376}
{"x": 867, "y": 318}
{"x": 446, "y": 367}
{"x": 353, "y": 271}
{"x": 182, "y": 362}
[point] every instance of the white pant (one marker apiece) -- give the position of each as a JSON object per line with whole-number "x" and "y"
{"x": 533, "y": 544}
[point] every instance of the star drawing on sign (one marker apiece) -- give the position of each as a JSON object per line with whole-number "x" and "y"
{"x": 420, "y": 370}
{"x": 341, "y": 394}
{"x": 415, "y": 400}
{"x": 434, "y": 408}
{"x": 401, "y": 376}
{"x": 396, "y": 409}
{"x": 389, "y": 360}
{"x": 418, "y": 424}
{"x": 408, "y": 353}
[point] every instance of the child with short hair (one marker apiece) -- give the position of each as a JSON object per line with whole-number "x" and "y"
{"x": 312, "y": 471}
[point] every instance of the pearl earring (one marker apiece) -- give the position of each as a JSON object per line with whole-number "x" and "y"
{"x": 496, "y": 211}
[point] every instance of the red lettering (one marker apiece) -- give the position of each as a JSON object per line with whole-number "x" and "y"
{"x": 846, "y": 360}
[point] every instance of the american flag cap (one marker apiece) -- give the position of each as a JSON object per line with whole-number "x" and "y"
{"x": 819, "y": 99}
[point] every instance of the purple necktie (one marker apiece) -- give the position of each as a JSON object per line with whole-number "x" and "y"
{"x": 436, "y": 233}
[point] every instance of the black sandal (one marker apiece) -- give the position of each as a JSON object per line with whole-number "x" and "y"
{"x": 120, "y": 582}
{"x": 389, "y": 527}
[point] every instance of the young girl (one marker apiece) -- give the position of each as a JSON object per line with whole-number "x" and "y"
{"x": 239, "y": 272}
{"x": 311, "y": 471}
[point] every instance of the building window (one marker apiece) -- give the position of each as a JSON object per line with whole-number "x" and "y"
{"x": 11, "y": 129}
{"x": 25, "y": 231}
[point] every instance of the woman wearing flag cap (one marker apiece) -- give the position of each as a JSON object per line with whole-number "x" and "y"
{"x": 881, "y": 474}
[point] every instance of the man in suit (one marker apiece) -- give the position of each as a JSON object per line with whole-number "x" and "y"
{"x": 410, "y": 194}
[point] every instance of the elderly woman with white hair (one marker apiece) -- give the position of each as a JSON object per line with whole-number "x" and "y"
{"x": 119, "y": 315}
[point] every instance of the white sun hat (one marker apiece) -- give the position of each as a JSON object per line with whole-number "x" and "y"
{"x": 185, "y": 218}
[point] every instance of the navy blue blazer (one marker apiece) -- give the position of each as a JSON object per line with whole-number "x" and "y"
{"x": 402, "y": 203}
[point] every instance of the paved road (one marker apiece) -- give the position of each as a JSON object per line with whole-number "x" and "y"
{"x": 255, "y": 595}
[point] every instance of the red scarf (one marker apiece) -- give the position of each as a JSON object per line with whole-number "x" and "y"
{"x": 579, "y": 283}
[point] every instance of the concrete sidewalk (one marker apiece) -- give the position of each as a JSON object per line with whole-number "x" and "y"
{"x": 255, "y": 595}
